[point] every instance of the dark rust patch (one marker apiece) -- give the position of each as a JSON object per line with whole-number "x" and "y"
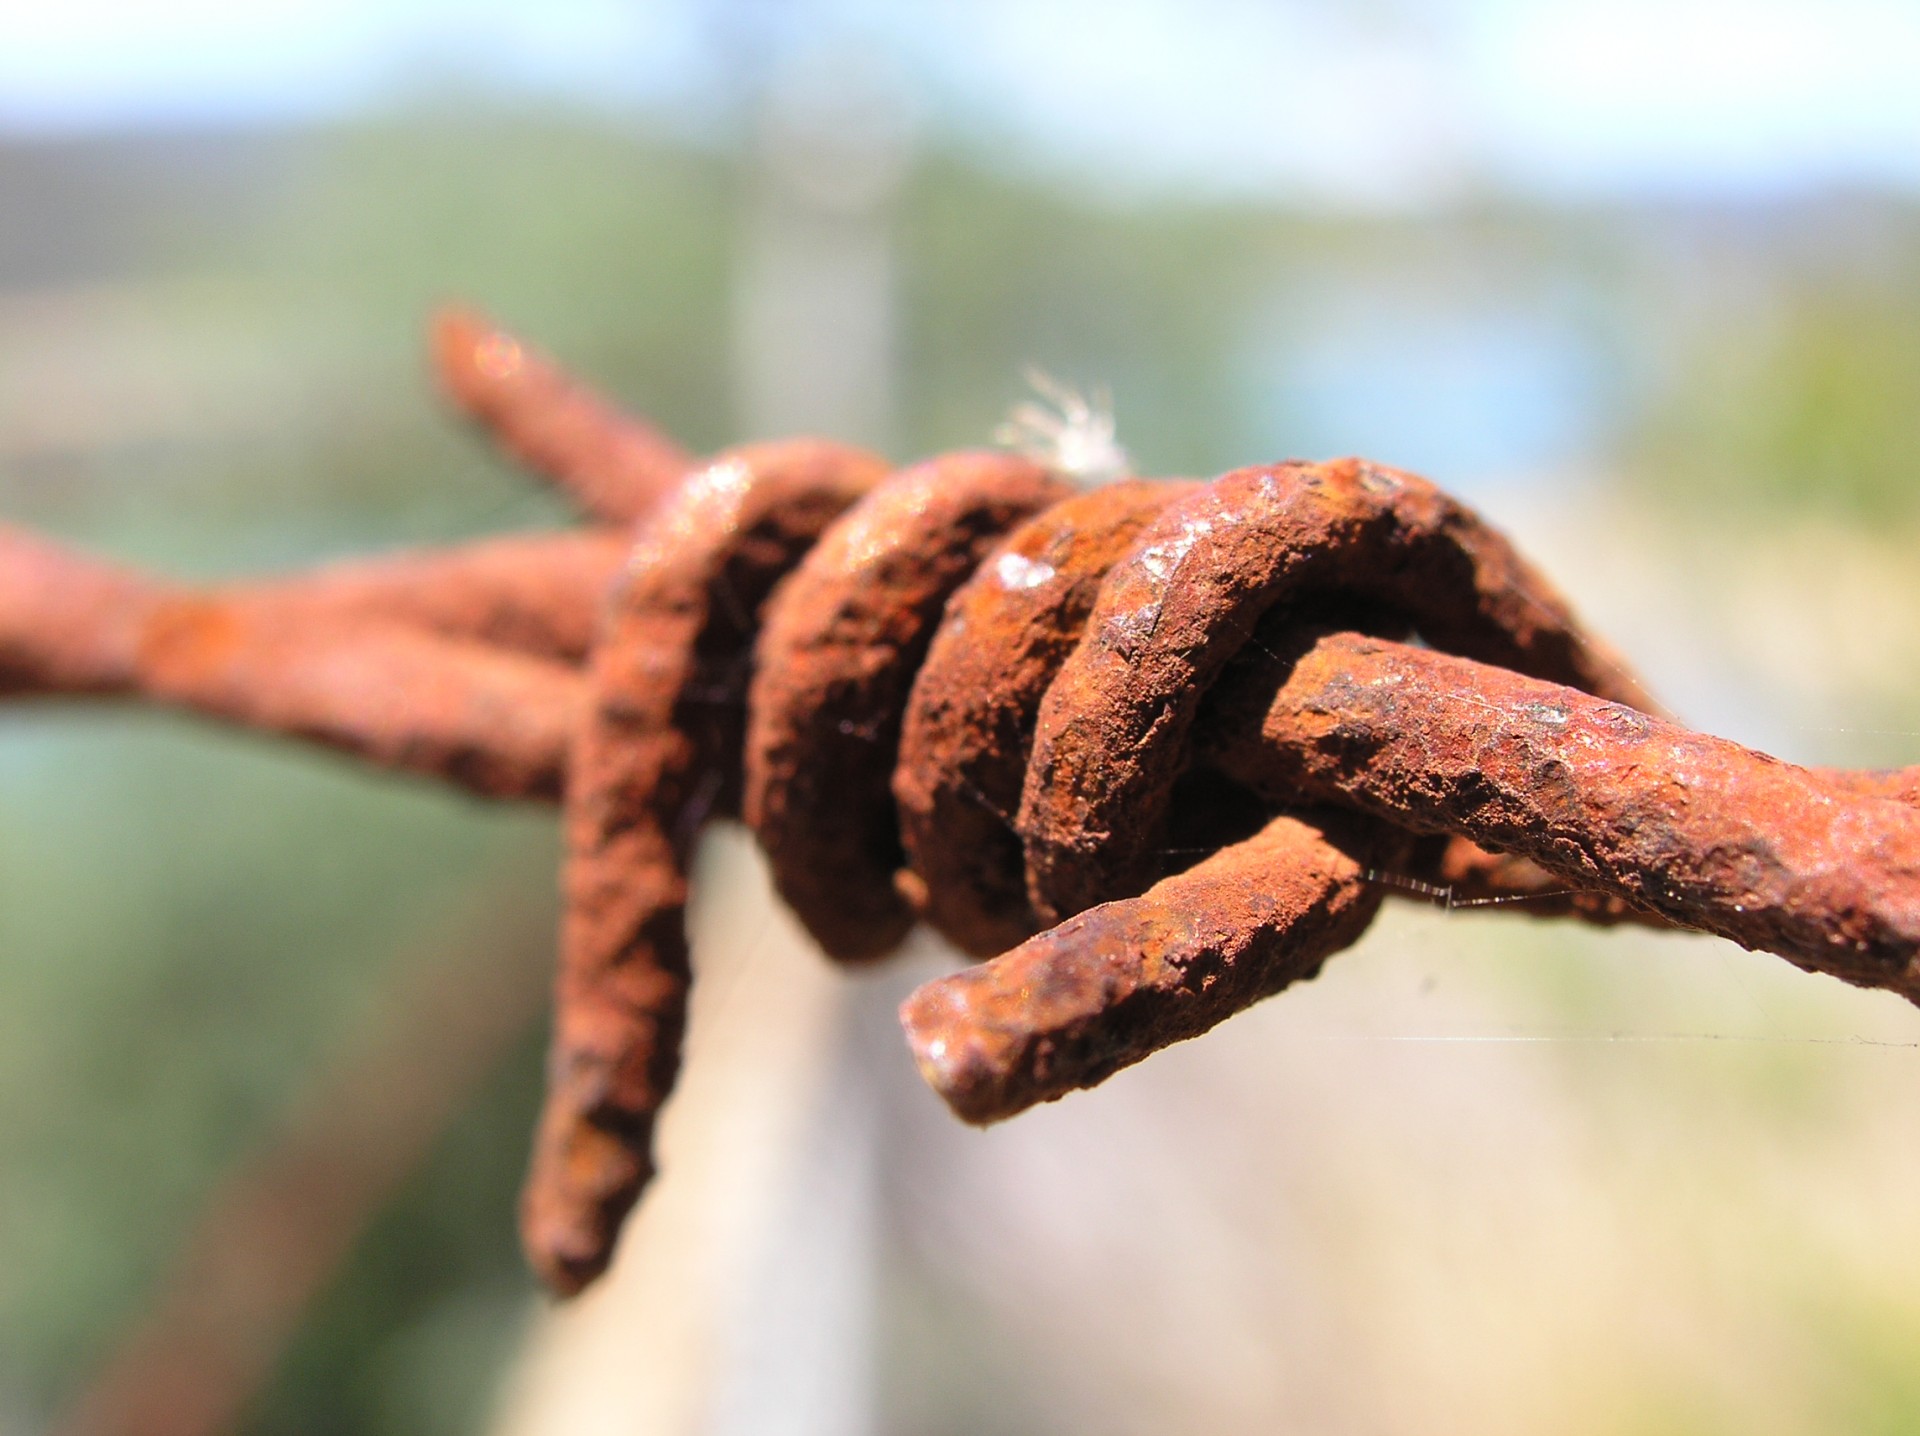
{"x": 1192, "y": 591}
{"x": 1118, "y": 982}
{"x": 659, "y": 752}
{"x": 844, "y": 638}
{"x": 969, "y": 723}
{"x": 1703, "y": 832}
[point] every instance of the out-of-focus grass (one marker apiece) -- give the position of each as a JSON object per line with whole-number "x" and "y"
{"x": 191, "y": 922}
{"x": 1797, "y": 392}
{"x": 421, "y": 1324}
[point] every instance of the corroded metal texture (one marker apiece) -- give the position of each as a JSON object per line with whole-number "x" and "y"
{"x": 1164, "y": 746}
{"x": 1701, "y": 831}
{"x": 969, "y": 723}
{"x": 659, "y": 753}
{"x": 404, "y": 679}
{"x": 1118, "y": 982}
{"x": 488, "y": 719}
{"x": 843, "y": 640}
{"x": 1187, "y": 596}
{"x": 537, "y": 594}
{"x": 612, "y": 465}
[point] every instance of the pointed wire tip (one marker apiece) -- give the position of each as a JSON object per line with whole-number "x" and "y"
{"x": 471, "y": 354}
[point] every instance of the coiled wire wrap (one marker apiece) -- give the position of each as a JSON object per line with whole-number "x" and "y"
{"x": 1162, "y": 746}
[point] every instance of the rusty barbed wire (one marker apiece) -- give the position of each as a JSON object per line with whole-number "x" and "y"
{"x": 1157, "y": 749}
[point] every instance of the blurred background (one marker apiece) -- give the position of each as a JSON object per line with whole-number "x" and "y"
{"x": 1641, "y": 281}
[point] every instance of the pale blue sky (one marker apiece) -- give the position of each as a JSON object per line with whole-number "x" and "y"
{"x": 1379, "y": 103}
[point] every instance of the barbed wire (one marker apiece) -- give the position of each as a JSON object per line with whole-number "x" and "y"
{"x": 1156, "y": 749}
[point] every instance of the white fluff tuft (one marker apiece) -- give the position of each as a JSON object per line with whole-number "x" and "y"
{"x": 1071, "y": 433}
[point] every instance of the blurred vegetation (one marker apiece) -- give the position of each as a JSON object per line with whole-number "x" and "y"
{"x": 210, "y": 360}
{"x": 1802, "y": 393}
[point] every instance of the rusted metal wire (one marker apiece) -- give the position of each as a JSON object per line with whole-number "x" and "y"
{"x": 1164, "y": 747}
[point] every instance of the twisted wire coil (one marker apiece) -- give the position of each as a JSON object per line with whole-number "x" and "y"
{"x": 1156, "y": 744}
